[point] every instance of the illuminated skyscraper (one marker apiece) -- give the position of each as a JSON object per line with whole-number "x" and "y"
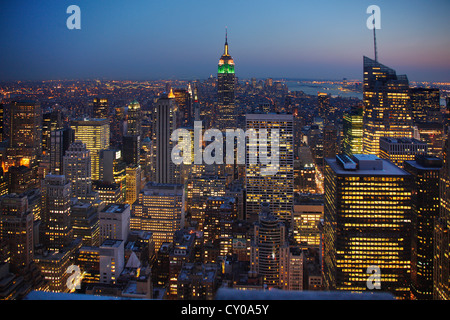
{"x": 95, "y": 134}
{"x": 77, "y": 169}
{"x": 324, "y": 105}
{"x": 353, "y": 131}
{"x": 57, "y": 230}
{"x": 133, "y": 183}
{"x": 160, "y": 210}
{"x": 269, "y": 238}
{"x": 425, "y": 105}
{"x": 164, "y": 123}
{"x": 183, "y": 98}
{"x": 16, "y": 228}
{"x": 60, "y": 141}
{"x": 387, "y": 109}
{"x": 25, "y": 138}
{"x": 441, "y": 267}
{"x": 134, "y": 119}
{"x": 226, "y": 84}
{"x": 277, "y": 189}
{"x": 398, "y": 150}
{"x": 100, "y": 108}
{"x": 367, "y": 221}
{"x": 425, "y": 209}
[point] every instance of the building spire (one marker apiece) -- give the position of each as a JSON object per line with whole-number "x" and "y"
{"x": 375, "y": 41}
{"x": 226, "y": 41}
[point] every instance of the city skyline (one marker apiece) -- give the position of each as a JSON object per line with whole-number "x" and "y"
{"x": 288, "y": 39}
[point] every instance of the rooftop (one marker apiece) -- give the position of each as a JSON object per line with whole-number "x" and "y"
{"x": 366, "y": 165}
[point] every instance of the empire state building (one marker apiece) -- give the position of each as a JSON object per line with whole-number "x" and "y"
{"x": 225, "y": 90}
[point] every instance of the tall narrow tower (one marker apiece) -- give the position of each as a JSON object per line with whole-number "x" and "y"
{"x": 225, "y": 90}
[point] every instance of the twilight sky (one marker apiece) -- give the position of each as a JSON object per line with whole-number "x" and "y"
{"x": 149, "y": 39}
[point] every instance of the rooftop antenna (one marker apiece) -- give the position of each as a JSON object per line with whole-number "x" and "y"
{"x": 374, "y": 37}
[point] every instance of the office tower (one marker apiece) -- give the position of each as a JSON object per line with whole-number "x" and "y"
{"x": 16, "y": 229}
{"x": 183, "y": 99}
{"x": 433, "y": 134}
{"x": 114, "y": 222}
{"x": 353, "y": 131}
{"x": 131, "y": 149}
{"x": 60, "y": 141}
{"x": 367, "y": 221}
{"x": 160, "y": 210}
{"x": 226, "y": 83}
{"x": 133, "y": 183}
{"x": 277, "y": 189}
{"x": 441, "y": 267}
{"x": 77, "y": 169}
{"x": 57, "y": 230}
{"x": 324, "y": 106}
{"x": 425, "y": 105}
{"x": 134, "y": 119}
{"x": 118, "y": 125}
{"x": 50, "y": 121}
{"x": 330, "y": 143}
{"x": 84, "y": 222}
{"x": 111, "y": 260}
{"x": 269, "y": 237}
{"x": 315, "y": 143}
{"x": 307, "y": 215}
{"x": 100, "y": 108}
{"x": 199, "y": 188}
{"x": 387, "y": 111}
{"x": 131, "y": 140}
{"x": 112, "y": 167}
{"x": 304, "y": 171}
{"x": 25, "y": 137}
{"x": 291, "y": 268}
{"x": 220, "y": 213}
{"x": 95, "y": 134}
{"x": 425, "y": 209}
{"x": 164, "y": 121}
{"x": 398, "y": 150}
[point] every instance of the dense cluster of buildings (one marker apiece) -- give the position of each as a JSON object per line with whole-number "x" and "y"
{"x": 92, "y": 201}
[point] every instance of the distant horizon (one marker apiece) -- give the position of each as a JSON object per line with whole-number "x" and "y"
{"x": 150, "y": 40}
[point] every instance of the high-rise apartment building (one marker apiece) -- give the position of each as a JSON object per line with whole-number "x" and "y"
{"x": 95, "y": 134}
{"x": 367, "y": 222}
{"x": 276, "y": 189}
{"x": 425, "y": 105}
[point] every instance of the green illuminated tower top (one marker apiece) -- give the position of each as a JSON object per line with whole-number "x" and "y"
{"x": 226, "y": 63}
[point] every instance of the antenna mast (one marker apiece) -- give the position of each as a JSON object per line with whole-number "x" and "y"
{"x": 375, "y": 39}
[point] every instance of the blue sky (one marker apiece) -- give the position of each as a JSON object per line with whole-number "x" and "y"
{"x": 146, "y": 39}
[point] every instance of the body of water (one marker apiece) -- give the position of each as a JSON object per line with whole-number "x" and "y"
{"x": 330, "y": 88}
